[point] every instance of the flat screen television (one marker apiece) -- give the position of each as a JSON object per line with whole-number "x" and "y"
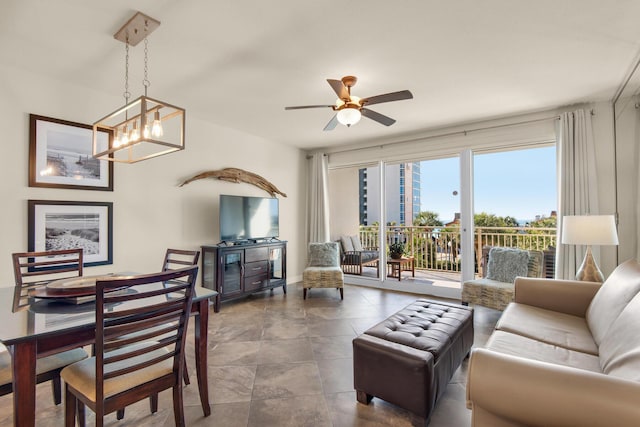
{"x": 248, "y": 218}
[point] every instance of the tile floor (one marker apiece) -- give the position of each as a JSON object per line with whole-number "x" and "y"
{"x": 278, "y": 360}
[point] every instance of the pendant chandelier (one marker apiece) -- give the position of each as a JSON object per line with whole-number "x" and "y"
{"x": 143, "y": 128}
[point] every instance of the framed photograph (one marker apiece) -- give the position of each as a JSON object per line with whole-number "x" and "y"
{"x": 55, "y": 225}
{"x": 61, "y": 155}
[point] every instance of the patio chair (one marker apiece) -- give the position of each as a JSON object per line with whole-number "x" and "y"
{"x": 139, "y": 351}
{"x": 500, "y": 268}
{"x": 323, "y": 270}
{"x": 354, "y": 256}
{"x": 33, "y": 270}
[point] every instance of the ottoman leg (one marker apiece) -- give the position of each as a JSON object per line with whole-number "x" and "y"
{"x": 304, "y": 293}
{"x": 363, "y": 397}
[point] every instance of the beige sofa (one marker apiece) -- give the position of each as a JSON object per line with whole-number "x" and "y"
{"x": 564, "y": 353}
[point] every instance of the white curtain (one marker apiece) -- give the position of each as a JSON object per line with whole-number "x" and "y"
{"x": 318, "y": 199}
{"x": 577, "y": 192}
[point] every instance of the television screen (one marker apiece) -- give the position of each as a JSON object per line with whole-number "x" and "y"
{"x": 248, "y": 218}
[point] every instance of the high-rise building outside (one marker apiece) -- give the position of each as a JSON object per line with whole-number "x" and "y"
{"x": 402, "y": 189}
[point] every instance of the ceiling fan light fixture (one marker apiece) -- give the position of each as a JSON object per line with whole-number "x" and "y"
{"x": 349, "y": 116}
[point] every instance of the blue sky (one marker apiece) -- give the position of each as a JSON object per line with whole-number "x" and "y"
{"x": 520, "y": 183}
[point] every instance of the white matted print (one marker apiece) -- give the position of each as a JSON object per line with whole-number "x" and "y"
{"x": 56, "y": 225}
{"x": 61, "y": 156}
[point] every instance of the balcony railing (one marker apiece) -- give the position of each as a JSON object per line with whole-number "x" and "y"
{"x": 438, "y": 248}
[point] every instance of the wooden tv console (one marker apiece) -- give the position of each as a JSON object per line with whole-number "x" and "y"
{"x": 237, "y": 271}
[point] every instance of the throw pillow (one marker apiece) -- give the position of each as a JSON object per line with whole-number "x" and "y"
{"x": 347, "y": 243}
{"x": 507, "y": 263}
{"x": 323, "y": 254}
{"x": 357, "y": 246}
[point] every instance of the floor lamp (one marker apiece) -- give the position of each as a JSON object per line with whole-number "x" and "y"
{"x": 589, "y": 230}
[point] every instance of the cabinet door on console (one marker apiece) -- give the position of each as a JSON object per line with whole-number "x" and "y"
{"x": 231, "y": 280}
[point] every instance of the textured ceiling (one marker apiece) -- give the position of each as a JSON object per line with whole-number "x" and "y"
{"x": 239, "y": 63}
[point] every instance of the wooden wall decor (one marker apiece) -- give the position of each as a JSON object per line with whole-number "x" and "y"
{"x": 238, "y": 175}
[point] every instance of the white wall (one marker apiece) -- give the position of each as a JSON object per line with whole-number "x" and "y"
{"x": 151, "y": 212}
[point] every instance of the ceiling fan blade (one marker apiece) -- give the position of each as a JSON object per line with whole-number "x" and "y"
{"x": 332, "y": 123}
{"x": 380, "y": 118}
{"x": 387, "y": 97}
{"x": 339, "y": 88}
{"x": 301, "y": 107}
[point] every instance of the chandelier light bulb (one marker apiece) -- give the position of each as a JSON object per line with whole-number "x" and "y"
{"x": 135, "y": 133}
{"x": 146, "y": 130}
{"x": 349, "y": 116}
{"x": 124, "y": 140}
{"x": 156, "y": 129}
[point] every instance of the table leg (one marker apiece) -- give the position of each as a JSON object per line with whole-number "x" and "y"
{"x": 24, "y": 384}
{"x": 201, "y": 335}
{"x": 413, "y": 267}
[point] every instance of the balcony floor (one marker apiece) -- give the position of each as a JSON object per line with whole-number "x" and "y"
{"x": 447, "y": 279}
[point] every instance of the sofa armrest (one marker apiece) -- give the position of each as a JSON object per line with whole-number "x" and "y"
{"x": 565, "y": 296}
{"x": 527, "y": 392}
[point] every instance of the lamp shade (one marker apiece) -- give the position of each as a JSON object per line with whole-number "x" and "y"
{"x": 589, "y": 230}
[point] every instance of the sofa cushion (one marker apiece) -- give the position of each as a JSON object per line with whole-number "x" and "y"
{"x": 551, "y": 327}
{"x": 518, "y": 345}
{"x": 347, "y": 243}
{"x": 505, "y": 264}
{"x": 620, "y": 348}
{"x": 616, "y": 292}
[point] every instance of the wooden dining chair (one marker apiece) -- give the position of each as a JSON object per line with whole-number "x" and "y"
{"x": 33, "y": 270}
{"x": 175, "y": 259}
{"x": 179, "y": 258}
{"x": 140, "y": 340}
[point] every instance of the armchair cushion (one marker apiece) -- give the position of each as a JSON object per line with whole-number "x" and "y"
{"x": 357, "y": 245}
{"x": 505, "y": 264}
{"x": 347, "y": 244}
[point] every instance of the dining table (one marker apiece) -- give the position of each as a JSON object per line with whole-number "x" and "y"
{"x": 48, "y": 326}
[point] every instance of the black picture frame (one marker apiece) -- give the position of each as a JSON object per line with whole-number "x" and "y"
{"x": 55, "y": 224}
{"x": 61, "y": 155}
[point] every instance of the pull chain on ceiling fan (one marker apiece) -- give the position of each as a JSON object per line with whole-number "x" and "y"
{"x": 350, "y": 108}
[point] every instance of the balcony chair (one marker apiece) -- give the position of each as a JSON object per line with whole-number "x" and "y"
{"x": 33, "y": 270}
{"x": 139, "y": 351}
{"x": 354, "y": 256}
{"x": 501, "y": 266}
{"x": 323, "y": 270}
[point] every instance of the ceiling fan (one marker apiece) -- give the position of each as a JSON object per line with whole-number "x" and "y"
{"x": 350, "y": 108}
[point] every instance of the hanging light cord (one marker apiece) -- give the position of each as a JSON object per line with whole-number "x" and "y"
{"x": 126, "y": 94}
{"x": 146, "y": 83}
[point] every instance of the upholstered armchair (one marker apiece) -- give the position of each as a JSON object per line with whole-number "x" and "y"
{"x": 323, "y": 270}
{"x": 500, "y": 268}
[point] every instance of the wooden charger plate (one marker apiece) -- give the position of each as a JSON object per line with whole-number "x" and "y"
{"x": 71, "y": 287}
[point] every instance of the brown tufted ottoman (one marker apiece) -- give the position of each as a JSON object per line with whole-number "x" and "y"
{"x": 409, "y": 358}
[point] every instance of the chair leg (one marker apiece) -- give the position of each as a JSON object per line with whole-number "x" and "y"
{"x": 304, "y": 293}
{"x": 185, "y": 373}
{"x": 120, "y": 414}
{"x": 153, "y": 402}
{"x": 341, "y": 293}
{"x": 81, "y": 414}
{"x": 69, "y": 408}
{"x": 178, "y": 407}
{"x": 56, "y": 387}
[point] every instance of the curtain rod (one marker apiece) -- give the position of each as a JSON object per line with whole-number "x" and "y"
{"x": 459, "y": 132}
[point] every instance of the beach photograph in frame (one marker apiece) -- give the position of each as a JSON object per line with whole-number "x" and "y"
{"x": 55, "y": 225}
{"x": 61, "y": 155}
